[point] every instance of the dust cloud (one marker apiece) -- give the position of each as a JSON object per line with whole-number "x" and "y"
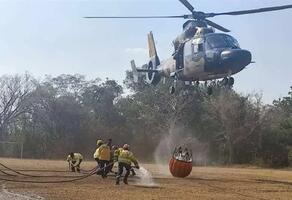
{"x": 179, "y": 136}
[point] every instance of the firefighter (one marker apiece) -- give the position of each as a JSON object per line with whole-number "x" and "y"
{"x": 125, "y": 158}
{"x": 102, "y": 157}
{"x": 116, "y": 155}
{"x": 95, "y": 156}
{"x": 74, "y": 160}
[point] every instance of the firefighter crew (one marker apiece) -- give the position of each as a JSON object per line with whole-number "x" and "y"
{"x": 74, "y": 160}
{"x": 102, "y": 157}
{"x": 125, "y": 158}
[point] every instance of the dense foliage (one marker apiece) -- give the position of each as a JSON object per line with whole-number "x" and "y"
{"x": 57, "y": 115}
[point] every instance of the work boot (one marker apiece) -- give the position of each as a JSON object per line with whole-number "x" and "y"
{"x": 133, "y": 173}
{"x": 117, "y": 181}
{"x": 98, "y": 172}
{"x": 125, "y": 181}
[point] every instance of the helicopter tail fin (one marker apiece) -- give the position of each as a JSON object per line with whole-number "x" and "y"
{"x": 151, "y": 45}
{"x": 153, "y": 73}
{"x": 154, "y": 59}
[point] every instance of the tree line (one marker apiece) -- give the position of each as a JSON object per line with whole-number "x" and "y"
{"x": 57, "y": 115}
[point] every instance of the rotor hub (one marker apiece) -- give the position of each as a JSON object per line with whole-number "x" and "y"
{"x": 199, "y": 15}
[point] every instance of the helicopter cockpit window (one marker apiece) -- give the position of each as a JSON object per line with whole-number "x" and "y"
{"x": 215, "y": 41}
{"x": 232, "y": 41}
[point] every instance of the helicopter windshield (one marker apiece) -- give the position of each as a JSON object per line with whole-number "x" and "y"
{"x": 215, "y": 41}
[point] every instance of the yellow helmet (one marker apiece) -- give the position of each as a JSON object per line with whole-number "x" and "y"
{"x": 126, "y": 147}
{"x": 99, "y": 142}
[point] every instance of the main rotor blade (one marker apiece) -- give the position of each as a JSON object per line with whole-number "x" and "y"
{"x": 217, "y": 26}
{"x": 244, "y": 12}
{"x": 133, "y": 17}
{"x": 188, "y": 5}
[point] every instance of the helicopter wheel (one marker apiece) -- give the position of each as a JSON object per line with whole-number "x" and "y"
{"x": 231, "y": 81}
{"x": 225, "y": 81}
{"x": 172, "y": 90}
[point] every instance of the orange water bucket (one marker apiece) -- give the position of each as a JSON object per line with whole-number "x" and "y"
{"x": 179, "y": 168}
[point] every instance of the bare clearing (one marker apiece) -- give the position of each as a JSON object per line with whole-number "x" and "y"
{"x": 203, "y": 183}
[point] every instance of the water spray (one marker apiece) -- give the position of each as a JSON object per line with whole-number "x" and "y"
{"x": 145, "y": 178}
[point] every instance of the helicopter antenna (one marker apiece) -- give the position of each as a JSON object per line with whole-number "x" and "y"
{"x": 201, "y": 16}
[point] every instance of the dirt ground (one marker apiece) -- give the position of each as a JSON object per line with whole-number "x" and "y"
{"x": 203, "y": 183}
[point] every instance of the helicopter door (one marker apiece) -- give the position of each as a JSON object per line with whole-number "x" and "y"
{"x": 180, "y": 57}
{"x": 198, "y": 55}
{"x": 194, "y": 57}
{"x": 198, "y": 45}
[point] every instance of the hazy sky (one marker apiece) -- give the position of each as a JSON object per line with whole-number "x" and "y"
{"x": 51, "y": 37}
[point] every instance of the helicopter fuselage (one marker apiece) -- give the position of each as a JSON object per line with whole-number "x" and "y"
{"x": 206, "y": 57}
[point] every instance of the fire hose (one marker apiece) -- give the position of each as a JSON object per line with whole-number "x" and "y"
{"x": 7, "y": 173}
{"x": 29, "y": 175}
{"x": 76, "y": 178}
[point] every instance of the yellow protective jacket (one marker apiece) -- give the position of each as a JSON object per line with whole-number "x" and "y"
{"x": 102, "y": 153}
{"x": 77, "y": 157}
{"x": 126, "y": 156}
{"x": 116, "y": 154}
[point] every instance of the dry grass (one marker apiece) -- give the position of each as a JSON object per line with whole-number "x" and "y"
{"x": 203, "y": 183}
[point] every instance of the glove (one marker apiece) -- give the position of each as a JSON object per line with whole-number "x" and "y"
{"x": 137, "y": 166}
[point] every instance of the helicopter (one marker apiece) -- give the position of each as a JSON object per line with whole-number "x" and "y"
{"x": 200, "y": 54}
